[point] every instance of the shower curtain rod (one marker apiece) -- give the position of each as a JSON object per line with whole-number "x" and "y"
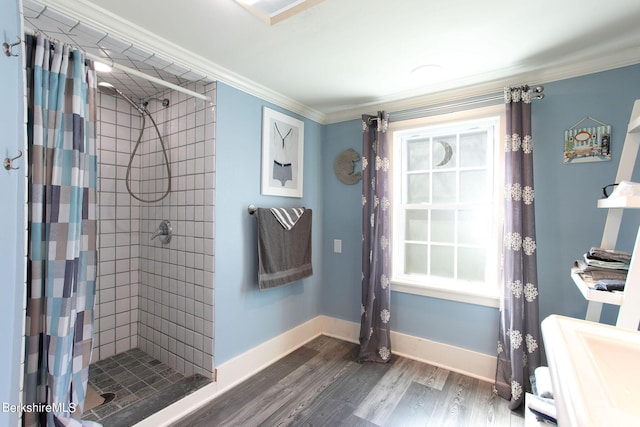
{"x": 152, "y": 79}
{"x": 135, "y": 72}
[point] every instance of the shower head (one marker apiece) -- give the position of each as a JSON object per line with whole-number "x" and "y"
{"x": 109, "y": 89}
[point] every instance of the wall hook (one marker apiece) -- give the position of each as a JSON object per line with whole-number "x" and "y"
{"x": 6, "y": 48}
{"x": 8, "y": 162}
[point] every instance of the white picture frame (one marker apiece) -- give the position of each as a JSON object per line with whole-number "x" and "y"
{"x": 282, "y": 154}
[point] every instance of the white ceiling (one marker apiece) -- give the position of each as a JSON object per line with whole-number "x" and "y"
{"x": 343, "y": 56}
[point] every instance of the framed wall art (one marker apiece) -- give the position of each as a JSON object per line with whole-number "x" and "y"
{"x": 587, "y": 143}
{"x": 282, "y": 154}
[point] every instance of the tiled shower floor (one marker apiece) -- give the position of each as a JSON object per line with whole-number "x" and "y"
{"x": 134, "y": 376}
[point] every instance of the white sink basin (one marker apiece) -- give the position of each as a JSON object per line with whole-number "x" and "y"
{"x": 595, "y": 370}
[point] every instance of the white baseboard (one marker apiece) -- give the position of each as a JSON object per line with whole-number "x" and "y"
{"x": 238, "y": 369}
{"x": 340, "y": 329}
{"x": 183, "y": 407}
{"x": 468, "y": 362}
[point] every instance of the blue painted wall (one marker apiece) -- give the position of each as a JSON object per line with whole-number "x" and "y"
{"x": 11, "y": 215}
{"x": 568, "y": 222}
{"x": 244, "y": 315}
{"x": 342, "y": 220}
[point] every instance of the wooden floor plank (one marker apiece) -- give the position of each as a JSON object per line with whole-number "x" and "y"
{"x": 351, "y": 421}
{"x": 488, "y": 409}
{"x": 452, "y": 408}
{"x": 321, "y": 384}
{"x": 517, "y": 417}
{"x": 225, "y": 406}
{"x": 318, "y": 344}
{"x": 459, "y": 406}
{"x": 382, "y": 400}
{"x": 432, "y": 377}
{"x": 294, "y": 409}
{"x": 338, "y": 402}
{"x": 285, "y": 393}
{"x": 416, "y": 406}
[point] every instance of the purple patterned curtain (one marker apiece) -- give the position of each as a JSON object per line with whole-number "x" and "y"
{"x": 375, "y": 333}
{"x": 519, "y": 331}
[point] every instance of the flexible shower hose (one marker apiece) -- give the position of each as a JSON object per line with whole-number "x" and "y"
{"x": 164, "y": 153}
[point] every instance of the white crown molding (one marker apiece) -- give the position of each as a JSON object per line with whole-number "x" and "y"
{"x": 457, "y": 91}
{"x": 104, "y": 20}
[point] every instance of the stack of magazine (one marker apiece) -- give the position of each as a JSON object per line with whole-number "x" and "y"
{"x": 603, "y": 269}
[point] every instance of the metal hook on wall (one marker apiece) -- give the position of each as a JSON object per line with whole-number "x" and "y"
{"x": 7, "y": 48}
{"x": 8, "y": 162}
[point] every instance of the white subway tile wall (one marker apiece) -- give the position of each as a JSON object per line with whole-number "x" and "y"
{"x": 153, "y": 296}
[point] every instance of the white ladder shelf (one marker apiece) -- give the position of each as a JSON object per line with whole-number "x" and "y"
{"x": 629, "y": 300}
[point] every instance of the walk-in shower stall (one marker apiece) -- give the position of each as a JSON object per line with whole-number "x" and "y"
{"x": 156, "y": 165}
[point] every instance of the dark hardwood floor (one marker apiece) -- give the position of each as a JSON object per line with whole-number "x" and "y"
{"x": 320, "y": 384}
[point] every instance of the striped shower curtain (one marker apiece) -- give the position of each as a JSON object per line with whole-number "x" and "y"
{"x": 61, "y": 264}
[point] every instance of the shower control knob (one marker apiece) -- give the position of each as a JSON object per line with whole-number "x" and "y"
{"x": 164, "y": 231}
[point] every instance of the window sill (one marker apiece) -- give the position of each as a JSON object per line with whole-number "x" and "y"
{"x": 487, "y": 298}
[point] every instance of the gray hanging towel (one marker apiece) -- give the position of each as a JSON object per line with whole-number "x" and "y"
{"x": 284, "y": 256}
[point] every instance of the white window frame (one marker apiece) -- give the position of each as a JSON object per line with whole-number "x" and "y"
{"x": 489, "y": 294}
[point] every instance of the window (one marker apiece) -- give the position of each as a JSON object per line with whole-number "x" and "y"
{"x": 447, "y": 205}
